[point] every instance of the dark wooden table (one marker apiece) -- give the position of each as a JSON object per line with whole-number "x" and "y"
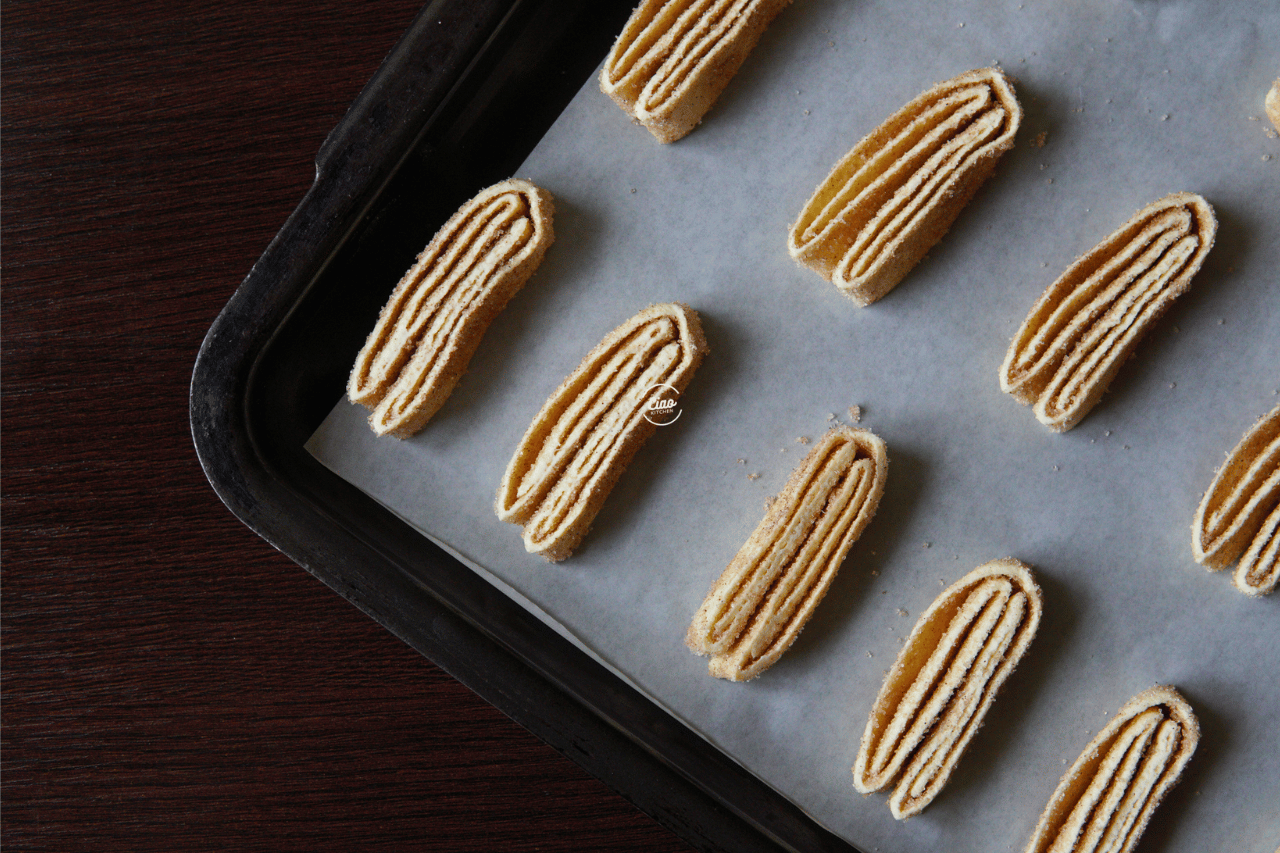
{"x": 169, "y": 681}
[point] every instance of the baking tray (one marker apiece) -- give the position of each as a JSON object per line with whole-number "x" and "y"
{"x": 459, "y": 102}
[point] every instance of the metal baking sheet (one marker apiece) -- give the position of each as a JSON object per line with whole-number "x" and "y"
{"x": 1133, "y": 100}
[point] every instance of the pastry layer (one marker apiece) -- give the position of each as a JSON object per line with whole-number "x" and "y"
{"x": 947, "y": 675}
{"x": 434, "y": 320}
{"x": 674, "y": 58}
{"x": 1103, "y": 803}
{"x": 763, "y": 599}
{"x": 891, "y": 198}
{"x": 1272, "y": 104}
{"x": 588, "y": 430}
{"x": 1087, "y": 323}
{"x": 1240, "y": 512}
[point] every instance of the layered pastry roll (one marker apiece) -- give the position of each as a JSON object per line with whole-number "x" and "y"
{"x": 891, "y": 198}
{"x": 674, "y": 58}
{"x": 946, "y": 677}
{"x": 591, "y": 426}
{"x": 763, "y": 599}
{"x": 1087, "y": 323}
{"x": 434, "y": 320}
{"x": 1241, "y": 511}
{"x": 1105, "y": 800}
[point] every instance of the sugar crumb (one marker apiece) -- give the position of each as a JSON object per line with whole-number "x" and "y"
{"x": 1040, "y": 139}
{"x": 753, "y": 476}
{"x": 855, "y": 413}
{"x": 803, "y": 439}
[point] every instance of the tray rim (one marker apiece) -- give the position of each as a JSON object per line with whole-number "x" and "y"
{"x": 562, "y": 696}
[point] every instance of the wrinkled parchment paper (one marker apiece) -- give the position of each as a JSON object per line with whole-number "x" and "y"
{"x": 1125, "y": 101}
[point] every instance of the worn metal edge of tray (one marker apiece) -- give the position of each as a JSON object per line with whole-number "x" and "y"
{"x": 462, "y": 623}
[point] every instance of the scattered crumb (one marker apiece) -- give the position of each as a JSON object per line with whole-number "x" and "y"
{"x": 1126, "y": 447}
{"x": 902, "y": 612}
{"x": 870, "y": 655}
{"x": 742, "y": 462}
{"x": 1040, "y": 139}
{"x": 1221, "y": 321}
{"x": 806, "y": 112}
{"x": 633, "y": 190}
{"x": 1108, "y": 432}
{"x": 1173, "y": 385}
{"x": 768, "y": 503}
{"x": 1055, "y": 467}
{"x": 1266, "y": 157}
{"x": 831, "y": 416}
{"x": 755, "y": 476}
{"x": 960, "y": 26}
{"x": 928, "y": 544}
{"x": 804, "y": 439}
{"x": 855, "y": 413}
{"x": 1049, "y": 181}
{"x": 1165, "y": 117}
{"x": 884, "y": 592}
{"x": 941, "y": 582}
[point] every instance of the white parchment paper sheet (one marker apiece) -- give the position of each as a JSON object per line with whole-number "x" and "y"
{"x": 1135, "y": 100}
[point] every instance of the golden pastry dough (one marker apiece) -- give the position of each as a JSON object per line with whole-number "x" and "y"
{"x": 1105, "y": 800}
{"x": 430, "y": 327}
{"x": 588, "y": 430}
{"x": 1241, "y": 510}
{"x": 674, "y": 58}
{"x": 763, "y": 599}
{"x": 1086, "y": 324}
{"x": 891, "y": 198}
{"x": 947, "y": 675}
{"x": 1272, "y": 104}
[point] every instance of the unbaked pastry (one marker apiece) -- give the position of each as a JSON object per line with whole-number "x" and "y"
{"x": 891, "y": 198}
{"x": 1105, "y": 800}
{"x": 591, "y": 426}
{"x": 434, "y": 320}
{"x": 946, "y": 677}
{"x": 1087, "y": 323}
{"x": 763, "y": 599}
{"x": 1240, "y": 512}
{"x": 674, "y": 58}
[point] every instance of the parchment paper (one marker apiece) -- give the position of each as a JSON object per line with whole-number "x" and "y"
{"x": 1135, "y": 100}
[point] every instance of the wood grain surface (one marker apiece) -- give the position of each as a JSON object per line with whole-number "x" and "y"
{"x": 169, "y": 681}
